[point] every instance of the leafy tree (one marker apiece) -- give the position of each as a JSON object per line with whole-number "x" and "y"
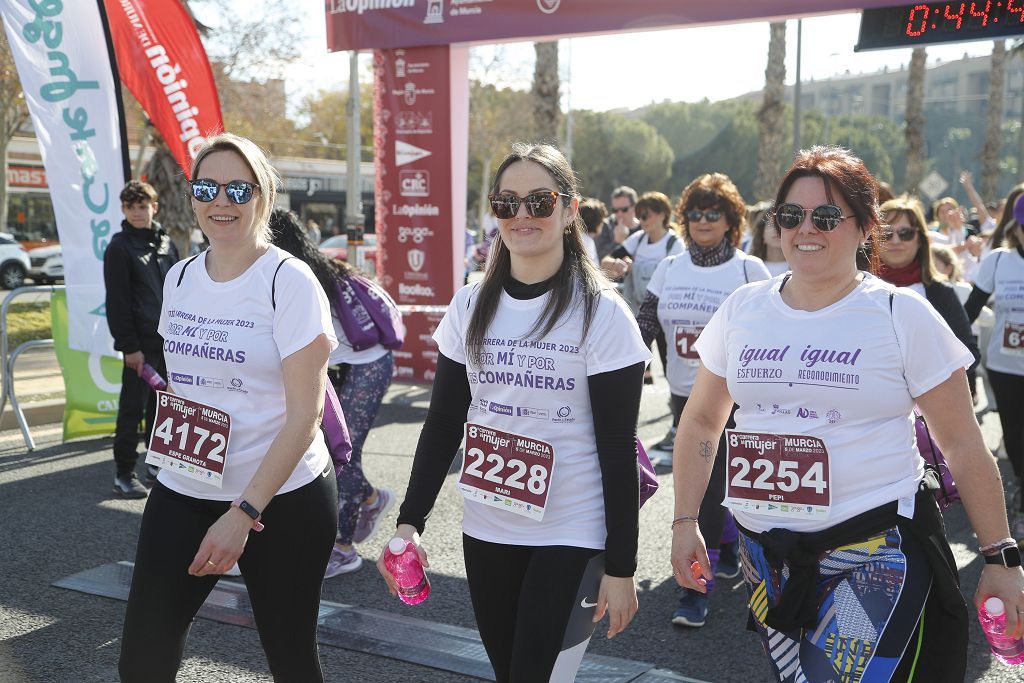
{"x": 13, "y": 115}
{"x": 326, "y": 121}
{"x": 732, "y": 152}
{"x": 610, "y": 149}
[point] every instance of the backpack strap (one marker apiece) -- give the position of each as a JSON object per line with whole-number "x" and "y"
{"x": 273, "y": 283}
{"x": 671, "y": 241}
{"x": 181, "y": 275}
{"x": 746, "y": 278}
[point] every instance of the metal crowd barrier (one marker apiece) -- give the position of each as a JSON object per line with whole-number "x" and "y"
{"x": 9, "y": 360}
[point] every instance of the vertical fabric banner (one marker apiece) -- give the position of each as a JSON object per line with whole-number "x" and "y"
{"x": 64, "y": 58}
{"x": 163, "y": 63}
{"x": 420, "y": 189}
{"x": 92, "y": 382}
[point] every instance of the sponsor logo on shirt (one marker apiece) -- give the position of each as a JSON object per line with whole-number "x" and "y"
{"x": 179, "y": 378}
{"x": 501, "y": 408}
{"x": 777, "y": 410}
{"x": 535, "y": 413}
{"x": 833, "y": 416}
{"x": 807, "y": 414}
{"x": 211, "y": 382}
{"x": 564, "y": 416}
{"x": 236, "y": 385}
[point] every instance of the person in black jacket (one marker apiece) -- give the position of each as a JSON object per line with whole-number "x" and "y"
{"x": 134, "y": 267}
{"x": 905, "y": 249}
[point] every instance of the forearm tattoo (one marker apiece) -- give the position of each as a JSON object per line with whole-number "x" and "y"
{"x": 706, "y": 451}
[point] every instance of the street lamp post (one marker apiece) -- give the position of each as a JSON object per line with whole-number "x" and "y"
{"x": 353, "y": 198}
{"x": 796, "y": 88}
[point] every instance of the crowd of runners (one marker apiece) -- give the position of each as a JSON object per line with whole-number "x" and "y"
{"x": 802, "y": 339}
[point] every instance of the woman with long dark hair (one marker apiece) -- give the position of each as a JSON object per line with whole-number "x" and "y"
{"x": 841, "y": 540}
{"x": 1001, "y": 276}
{"x": 541, "y": 367}
{"x": 361, "y": 379}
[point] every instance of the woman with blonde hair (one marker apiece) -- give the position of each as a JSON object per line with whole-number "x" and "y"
{"x": 247, "y": 333}
{"x": 904, "y": 246}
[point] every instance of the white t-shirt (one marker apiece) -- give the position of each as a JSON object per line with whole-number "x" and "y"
{"x": 591, "y": 248}
{"x": 646, "y": 257}
{"x": 344, "y": 353}
{"x": 1002, "y": 274}
{"x": 687, "y": 296}
{"x": 538, "y": 388}
{"x": 777, "y": 267}
{"x": 224, "y": 343}
{"x": 838, "y": 374}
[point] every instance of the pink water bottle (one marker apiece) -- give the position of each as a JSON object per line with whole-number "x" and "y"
{"x": 1006, "y": 648}
{"x": 152, "y": 377}
{"x": 402, "y": 560}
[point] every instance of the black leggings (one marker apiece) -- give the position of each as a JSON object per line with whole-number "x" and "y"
{"x": 1009, "y": 391}
{"x": 534, "y": 606}
{"x": 712, "y": 515}
{"x": 283, "y": 567}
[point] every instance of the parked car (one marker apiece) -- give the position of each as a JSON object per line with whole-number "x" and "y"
{"x": 47, "y": 264}
{"x": 14, "y": 263}
{"x": 336, "y": 247}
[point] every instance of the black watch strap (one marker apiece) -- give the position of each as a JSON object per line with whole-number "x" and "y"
{"x": 248, "y": 509}
{"x": 1007, "y": 556}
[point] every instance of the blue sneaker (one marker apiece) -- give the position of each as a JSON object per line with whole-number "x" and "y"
{"x": 692, "y": 610}
{"x": 728, "y": 561}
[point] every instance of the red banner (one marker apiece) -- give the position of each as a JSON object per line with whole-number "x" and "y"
{"x": 420, "y": 185}
{"x": 162, "y": 61}
{"x": 363, "y": 24}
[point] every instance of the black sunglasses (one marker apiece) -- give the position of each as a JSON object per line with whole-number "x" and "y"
{"x": 621, "y": 209}
{"x": 237, "y": 191}
{"x": 825, "y": 218}
{"x": 905, "y": 234}
{"x": 694, "y": 215}
{"x": 538, "y": 204}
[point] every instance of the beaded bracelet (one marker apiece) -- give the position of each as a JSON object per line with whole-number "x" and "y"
{"x": 998, "y": 545}
{"x": 684, "y": 518}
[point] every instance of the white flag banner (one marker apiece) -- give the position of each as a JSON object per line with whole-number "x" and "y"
{"x": 64, "y": 59}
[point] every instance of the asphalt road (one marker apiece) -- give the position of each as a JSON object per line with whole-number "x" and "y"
{"x": 57, "y": 518}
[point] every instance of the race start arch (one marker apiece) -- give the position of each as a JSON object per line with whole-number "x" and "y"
{"x": 421, "y": 117}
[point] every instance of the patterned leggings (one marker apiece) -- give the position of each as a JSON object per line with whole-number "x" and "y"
{"x": 871, "y": 598}
{"x": 361, "y": 390}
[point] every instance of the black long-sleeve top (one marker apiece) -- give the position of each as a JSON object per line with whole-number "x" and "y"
{"x": 615, "y": 404}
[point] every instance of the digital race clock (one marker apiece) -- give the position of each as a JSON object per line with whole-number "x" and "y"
{"x": 927, "y": 23}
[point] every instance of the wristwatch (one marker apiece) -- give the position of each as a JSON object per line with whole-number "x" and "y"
{"x": 1007, "y": 556}
{"x": 247, "y": 507}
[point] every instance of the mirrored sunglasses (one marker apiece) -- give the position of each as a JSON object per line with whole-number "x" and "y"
{"x": 825, "y": 218}
{"x": 237, "y": 191}
{"x": 694, "y": 215}
{"x": 905, "y": 234}
{"x": 538, "y": 204}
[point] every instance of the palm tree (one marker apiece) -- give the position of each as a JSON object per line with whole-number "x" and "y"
{"x": 1018, "y": 51}
{"x": 914, "y": 131}
{"x": 993, "y": 122}
{"x": 547, "y": 111}
{"x": 770, "y": 116}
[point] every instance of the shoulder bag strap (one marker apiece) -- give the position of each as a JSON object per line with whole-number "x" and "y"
{"x": 273, "y": 283}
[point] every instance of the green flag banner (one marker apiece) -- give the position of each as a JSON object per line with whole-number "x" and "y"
{"x": 92, "y": 383}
